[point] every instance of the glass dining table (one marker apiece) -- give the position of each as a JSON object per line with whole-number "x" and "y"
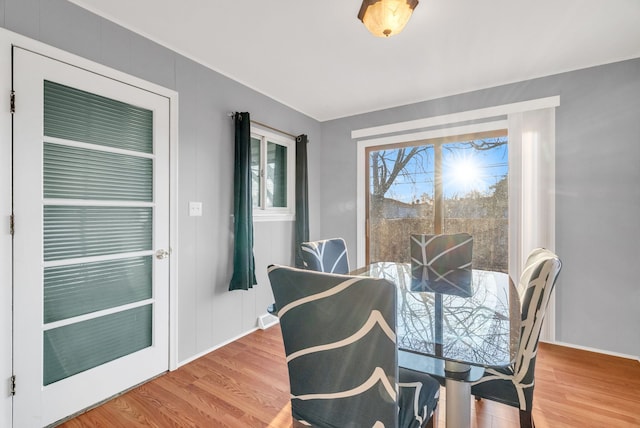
{"x": 452, "y": 326}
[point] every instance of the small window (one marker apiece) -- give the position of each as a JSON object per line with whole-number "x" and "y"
{"x": 272, "y": 175}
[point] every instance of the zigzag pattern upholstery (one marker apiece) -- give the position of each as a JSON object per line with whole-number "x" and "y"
{"x": 440, "y": 255}
{"x": 514, "y": 385}
{"x": 328, "y": 255}
{"x": 339, "y": 339}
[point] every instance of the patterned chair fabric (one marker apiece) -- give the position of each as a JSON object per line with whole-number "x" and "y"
{"x": 329, "y": 255}
{"x": 434, "y": 257}
{"x": 342, "y": 354}
{"x": 514, "y": 385}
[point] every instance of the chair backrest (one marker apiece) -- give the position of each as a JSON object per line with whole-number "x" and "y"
{"x": 440, "y": 255}
{"x": 339, "y": 339}
{"x": 328, "y": 255}
{"x": 536, "y": 284}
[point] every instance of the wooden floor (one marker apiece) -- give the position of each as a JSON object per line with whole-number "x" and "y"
{"x": 245, "y": 385}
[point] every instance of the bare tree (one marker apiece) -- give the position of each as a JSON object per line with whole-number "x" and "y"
{"x": 387, "y": 165}
{"x": 488, "y": 144}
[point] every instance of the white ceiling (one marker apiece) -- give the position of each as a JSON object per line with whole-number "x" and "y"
{"x": 318, "y": 58}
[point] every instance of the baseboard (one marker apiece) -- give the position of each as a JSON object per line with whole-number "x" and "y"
{"x": 267, "y": 320}
{"x": 598, "y": 351}
{"x": 213, "y": 348}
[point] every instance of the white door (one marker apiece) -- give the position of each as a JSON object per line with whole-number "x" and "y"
{"x": 91, "y": 207}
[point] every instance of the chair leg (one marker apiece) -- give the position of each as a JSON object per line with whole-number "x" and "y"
{"x": 526, "y": 419}
{"x": 433, "y": 420}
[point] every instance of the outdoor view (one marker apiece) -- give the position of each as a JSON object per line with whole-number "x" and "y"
{"x": 268, "y": 191}
{"x": 440, "y": 186}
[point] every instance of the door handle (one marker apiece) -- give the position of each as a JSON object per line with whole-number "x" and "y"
{"x": 162, "y": 254}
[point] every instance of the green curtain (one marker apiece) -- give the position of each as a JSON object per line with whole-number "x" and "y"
{"x": 302, "y": 198}
{"x": 244, "y": 270}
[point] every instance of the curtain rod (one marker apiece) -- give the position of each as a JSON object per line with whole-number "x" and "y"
{"x": 231, "y": 115}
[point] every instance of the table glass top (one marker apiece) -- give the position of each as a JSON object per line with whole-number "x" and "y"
{"x": 471, "y": 317}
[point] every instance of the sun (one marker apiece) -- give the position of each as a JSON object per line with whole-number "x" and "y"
{"x": 466, "y": 174}
{"x": 465, "y": 171}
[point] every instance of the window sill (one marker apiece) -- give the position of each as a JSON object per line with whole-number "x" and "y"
{"x": 263, "y": 217}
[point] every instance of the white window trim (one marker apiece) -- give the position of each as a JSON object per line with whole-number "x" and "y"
{"x": 531, "y": 131}
{"x": 278, "y": 214}
{"x": 453, "y": 118}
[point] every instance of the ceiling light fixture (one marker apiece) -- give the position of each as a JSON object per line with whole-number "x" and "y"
{"x": 384, "y": 18}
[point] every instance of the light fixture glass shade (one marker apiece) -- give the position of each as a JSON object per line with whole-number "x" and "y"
{"x": 384, "y": 18}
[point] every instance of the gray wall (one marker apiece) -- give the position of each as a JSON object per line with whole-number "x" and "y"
{"x": 597, "y": 201}
{"x": 209, "y": 315}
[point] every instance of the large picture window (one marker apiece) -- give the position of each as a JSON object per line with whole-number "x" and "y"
{"x": 272, "y": 175}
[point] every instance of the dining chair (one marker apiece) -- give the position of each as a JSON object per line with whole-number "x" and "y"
{"x": 513, "y": 385}
{"x": 341, "y": 352}
{"x": 328, "y": 255}
{"x": 439, "y": 255}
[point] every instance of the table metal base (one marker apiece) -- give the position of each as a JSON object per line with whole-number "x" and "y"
{"x": 458, "y": 402}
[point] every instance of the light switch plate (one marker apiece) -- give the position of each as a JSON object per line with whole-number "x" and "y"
{"x": 195, "y": 209}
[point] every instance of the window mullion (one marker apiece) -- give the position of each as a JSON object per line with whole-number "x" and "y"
{"x": 263, "y": 173}
{"x": 438, "y": 193}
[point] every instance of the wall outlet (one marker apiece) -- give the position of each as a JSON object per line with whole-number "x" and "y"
{"x": 195, "y": 209}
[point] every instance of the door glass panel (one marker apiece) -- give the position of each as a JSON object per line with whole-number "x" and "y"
{"x": 88, "y": 287}
{"x": 78, "y": 173}
{"x": 77, "y": 115}
{"x": 276, "y": 175}
{"x": 79, "y": 231}
{"x": 401, "y": 195}
{"x": 74, "y": 348}
{"x": 476, "y": 198}
{"x": 73, "y": 231}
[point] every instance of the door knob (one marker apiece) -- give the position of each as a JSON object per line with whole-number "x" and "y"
{"x": 162, "y": 254}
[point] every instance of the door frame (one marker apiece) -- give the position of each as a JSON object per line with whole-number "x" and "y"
{"x": 7, "y": 40}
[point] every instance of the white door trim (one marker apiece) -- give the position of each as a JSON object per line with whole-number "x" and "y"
{"x": 8, "y": 39}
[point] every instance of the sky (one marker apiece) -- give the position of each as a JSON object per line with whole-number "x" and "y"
{"x": 465, "y": 169}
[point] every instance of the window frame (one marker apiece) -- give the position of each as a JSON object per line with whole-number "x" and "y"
{"x": 262, "y": 212}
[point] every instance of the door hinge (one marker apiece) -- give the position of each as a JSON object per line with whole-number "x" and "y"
{"x": 13, "y": 102}
{"x": 13, "y": 385}
{"x": 12, "y": 224}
